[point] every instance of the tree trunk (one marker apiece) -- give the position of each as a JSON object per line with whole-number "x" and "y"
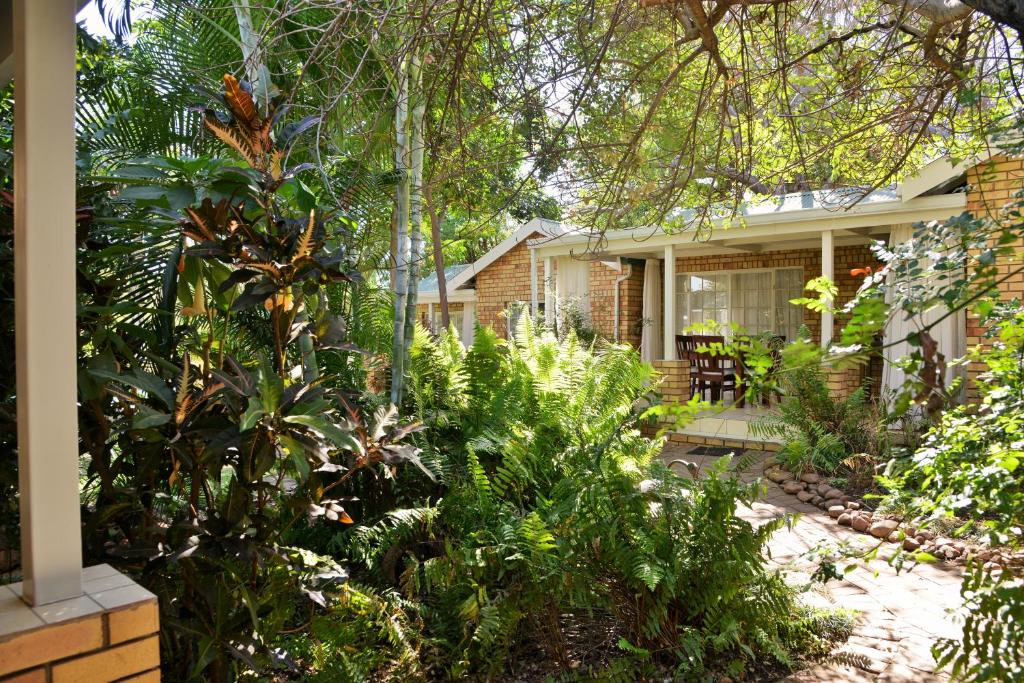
{"x": 416, "y": 202}
{"x": 436, "y": 218}
{"x": 1006, "y": 12}
{"x": 401, "y": 231}
{"x": 393, "y": 252}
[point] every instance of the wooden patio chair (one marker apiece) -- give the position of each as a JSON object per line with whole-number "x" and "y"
{"x": 686, "y": 350}
{"x": 714, "y": 371}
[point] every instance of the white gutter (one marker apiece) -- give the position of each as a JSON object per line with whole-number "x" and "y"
{"x": 625, "y": 275}
{"x": 805, "y": 222}
{"x": 459, "y": 295}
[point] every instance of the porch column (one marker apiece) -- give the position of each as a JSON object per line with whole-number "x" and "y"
{"x": 549, "y": 292}
{"x": 44, "y": 269}
{"x": 828, "y": 270}
{"x": 533, "y": 283}
{"x": 430, "y": 317}
{"x": 669, "y": 315}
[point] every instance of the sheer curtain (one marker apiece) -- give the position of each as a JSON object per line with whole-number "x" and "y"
{"x": 950, "y": 334}
{"x": 468, "y": 323}
{"x": 751, "y": 304}
{"x": 571, "y": 280}
{"x": 651, "y": 341}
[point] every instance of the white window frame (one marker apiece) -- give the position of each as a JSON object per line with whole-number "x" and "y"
{"x": 683, "y": 290}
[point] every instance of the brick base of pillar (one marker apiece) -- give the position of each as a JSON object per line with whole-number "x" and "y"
{"x": 110, "y": 633}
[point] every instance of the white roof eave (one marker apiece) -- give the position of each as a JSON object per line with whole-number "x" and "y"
{"x": 517, "y": 236}
{"x": 770, "y": 225}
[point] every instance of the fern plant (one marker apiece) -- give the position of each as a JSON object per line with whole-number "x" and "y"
{"x": 556, "y": 503}
{"x": 819, "y": 430}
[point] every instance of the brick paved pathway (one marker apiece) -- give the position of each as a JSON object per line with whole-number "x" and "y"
{"x": 899, "y": 615}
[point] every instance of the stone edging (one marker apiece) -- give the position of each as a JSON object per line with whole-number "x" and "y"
{"x": 814, "y": 489}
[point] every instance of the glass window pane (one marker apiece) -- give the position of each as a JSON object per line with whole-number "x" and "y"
{"x": 789, "y": 284}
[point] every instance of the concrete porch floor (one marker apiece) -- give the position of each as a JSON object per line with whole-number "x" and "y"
{"x": 728, "y": 422}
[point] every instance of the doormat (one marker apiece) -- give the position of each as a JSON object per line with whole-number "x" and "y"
{"x": 711, "y": 451}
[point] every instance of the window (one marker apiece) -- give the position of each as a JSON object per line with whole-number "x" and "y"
{"x": 789, "y": 284}
{"x": 704, "y": 299}
{"x": 756, "y": 301}
{"x": 454, "y": 317}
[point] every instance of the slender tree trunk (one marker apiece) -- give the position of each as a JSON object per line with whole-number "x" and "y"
{"x": 310, "y": 366}
{"x": 393, "y": 254}
{"x": 401, "y": 232}
{"x": 416, "y": 201}
{"x": 436, "y": 218}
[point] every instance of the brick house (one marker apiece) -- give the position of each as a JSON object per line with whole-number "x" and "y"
{"x": 744, "y": 275}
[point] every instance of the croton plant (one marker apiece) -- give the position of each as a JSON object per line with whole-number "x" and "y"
{"x": 224, "y": 452}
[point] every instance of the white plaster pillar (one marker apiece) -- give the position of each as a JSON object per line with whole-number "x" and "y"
{"x": 549, "y": 292}
{"x": 669, "y": 317}
{"x": 828, "y": 270}
{"x": 44, "y": 269}
{"x": 533, "y": 283}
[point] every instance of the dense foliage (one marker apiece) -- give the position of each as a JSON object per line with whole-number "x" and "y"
{"x": 968, "y": 469}
{"x": 210, "y": 436}
{"x": 819, "y": 430}
{"x": 231, "y": 311}
{"x": 556, "y": 513}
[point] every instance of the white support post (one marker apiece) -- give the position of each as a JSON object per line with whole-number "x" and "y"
{"x": 430, "y": 317}
{"x": 549, "y": 292}
{"x": 534, "y": 309}
{"x": 828, "y": 270}
{"x": 669, "y": 317}
{"x": 44, "y": 269}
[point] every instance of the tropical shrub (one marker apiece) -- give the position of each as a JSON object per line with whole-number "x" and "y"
{"x": 574, "y": 318}
{"x": 364, "y": 635}
{"x": 968, "y": 469}
{"x": 212, "y": 438}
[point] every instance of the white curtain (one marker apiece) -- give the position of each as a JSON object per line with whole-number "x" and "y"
{"x": 572, "y": 281}
{"x": 650, "y": 335}
{"x": 950, "y": 334}
{"x": 468, "y": 323}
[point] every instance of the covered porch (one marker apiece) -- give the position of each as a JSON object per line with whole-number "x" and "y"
{"x": 743, "y": 277}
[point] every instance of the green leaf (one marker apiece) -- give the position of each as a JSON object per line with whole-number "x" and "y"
{"x": 252, "y": 414}
{"x": 143, "y": 381}
{"x": 337, "y": 436}
{"x": 146, "y": 418}
{"x": 270, "y": 386}
{"x": 297, "y": 452}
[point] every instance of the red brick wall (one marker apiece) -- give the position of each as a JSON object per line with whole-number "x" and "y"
{"x": 990, "y": 187}
{"x": 505, "y": 281}
{"x": 632, "y": 304}
{"x": 601, "y": 282}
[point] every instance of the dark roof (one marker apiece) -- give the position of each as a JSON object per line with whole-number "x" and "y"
{"x": 429, "y": 283}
